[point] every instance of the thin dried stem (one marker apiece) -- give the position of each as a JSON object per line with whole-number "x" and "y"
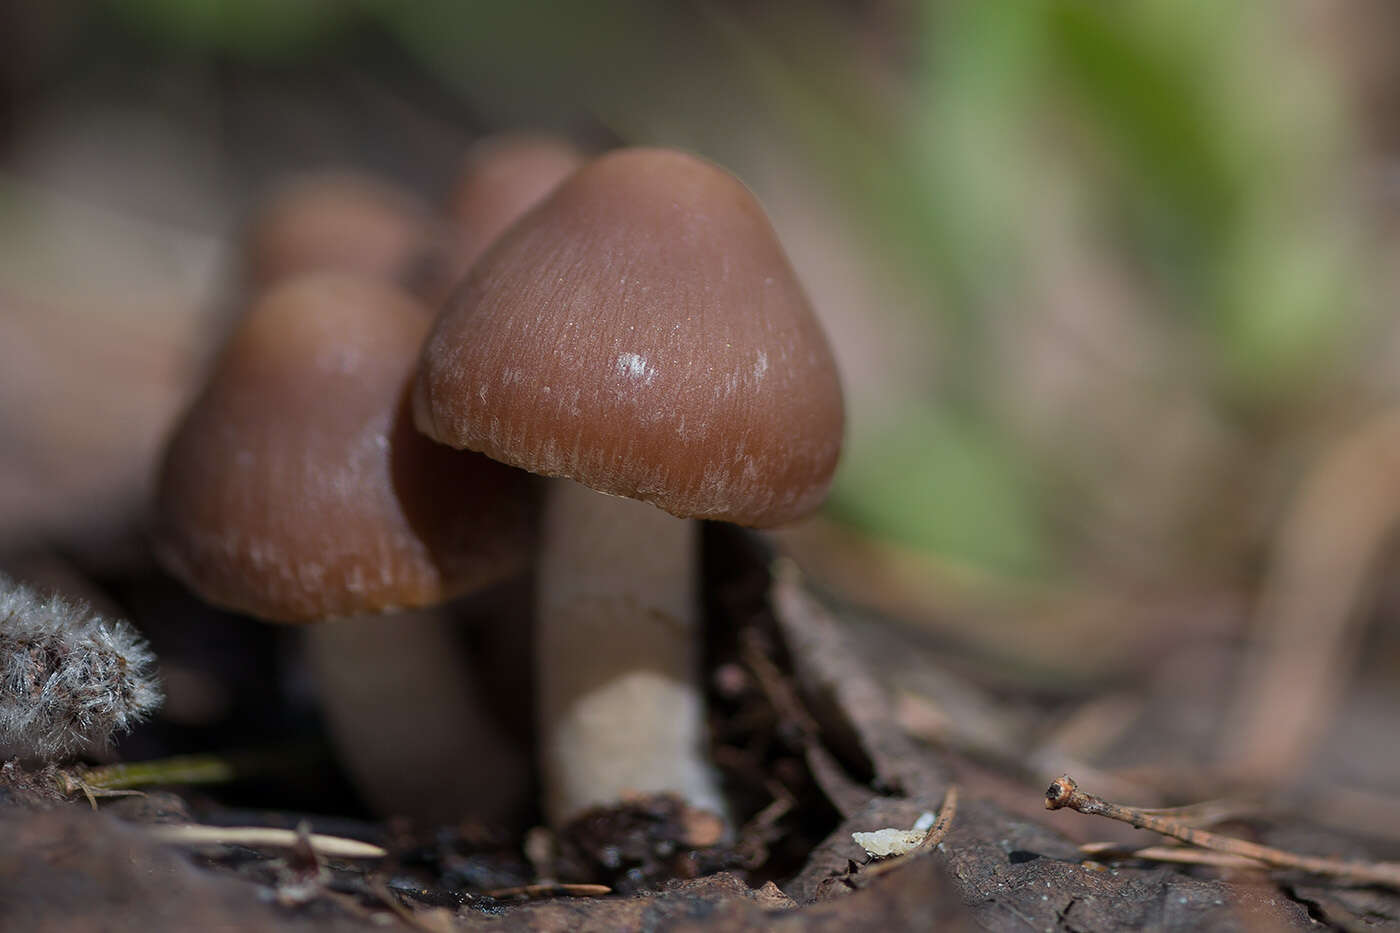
{"x": 180, "y": 769}
{"x": 946, "y": 812}
{"x": 1066, "y": 793}
{"x": 1177, "y": 854}
{"x": 1207, "y": 812}
{"x": 121, "y": 779}
{"x": 331, "y": 846}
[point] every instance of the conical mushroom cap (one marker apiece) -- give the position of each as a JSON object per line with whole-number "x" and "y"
{"x": 296, "y": 487}
{"x": 642, "y": 332}
{"x": 501, "y": 178}
{"x": 336, "y": 221}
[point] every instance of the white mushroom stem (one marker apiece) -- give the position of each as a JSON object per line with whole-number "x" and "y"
{"x": 621, "y": 705}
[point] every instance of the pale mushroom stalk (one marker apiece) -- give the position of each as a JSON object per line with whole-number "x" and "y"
{"x": 405, "y": 718}
{"x": 621, "y": 704}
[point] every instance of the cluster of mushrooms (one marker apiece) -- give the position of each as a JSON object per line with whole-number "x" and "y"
{"x": 628, "y": 326}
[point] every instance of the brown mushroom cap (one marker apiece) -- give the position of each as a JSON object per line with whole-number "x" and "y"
{"x": 337, "y": 221}
{"x": 296, "y": 487}
{"x": 642, "y": 332}
{"x": 501, "y": 178}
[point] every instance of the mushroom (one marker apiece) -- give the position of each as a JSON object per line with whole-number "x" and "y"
{"x": 640, "y": 335}
{"x": 372, "y": 677}
{"x": 337, "y": 221}
{"x": 297, "y": 490}
{"x": 501, "y": 178}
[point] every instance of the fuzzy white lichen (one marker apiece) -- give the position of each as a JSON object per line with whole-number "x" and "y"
{"x": 69, "y": 677}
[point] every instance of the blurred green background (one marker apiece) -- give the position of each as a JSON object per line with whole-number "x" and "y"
{"x": 1099, "y": 276}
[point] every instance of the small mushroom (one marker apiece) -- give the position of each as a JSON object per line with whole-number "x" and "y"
{"x": 297, "y": 490}
{"x": 501, "y": 178}
{"x": 337, "y": 221}
{"x": 641, "y": 335}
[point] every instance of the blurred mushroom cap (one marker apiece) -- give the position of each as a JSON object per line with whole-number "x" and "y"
{"x": 296, "y": 487}
{"x": 501, "y": 178}
{"x": 338, "y": 221}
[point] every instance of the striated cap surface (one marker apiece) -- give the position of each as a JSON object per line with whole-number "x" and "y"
{"x": 296, "y": 487}
{"x": 642, "y": 332}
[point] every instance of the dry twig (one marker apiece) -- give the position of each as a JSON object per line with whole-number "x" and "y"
{"x": 1064, "y": 792}
{"x": 331, "y": 846}
{"x": 1177, "y": 854}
